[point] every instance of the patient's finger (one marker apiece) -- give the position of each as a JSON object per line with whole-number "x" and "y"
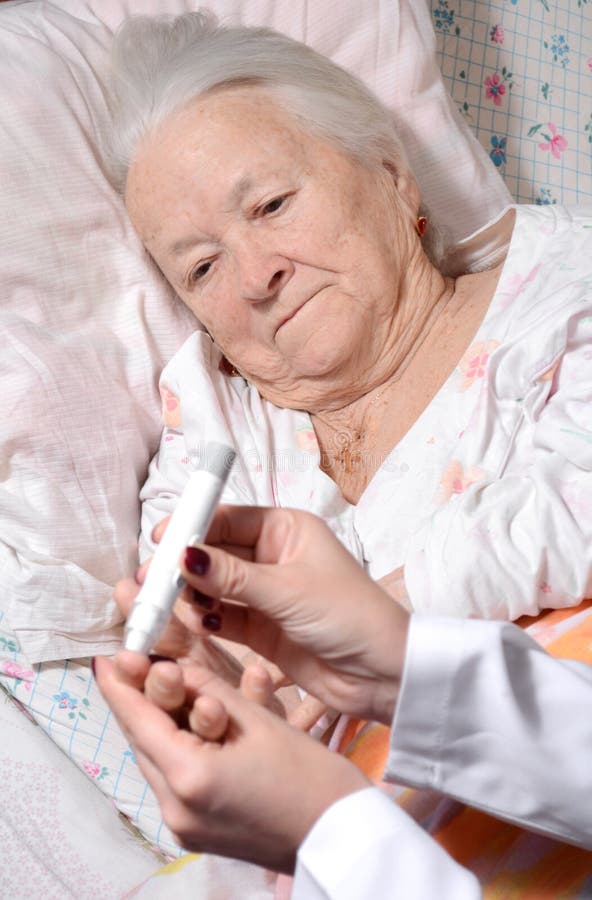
{"x": 153, "y": 734}
{"x": 159, "y": 530}
{"x": 279, "y": 679}
{"x": 125, "y": 592}
{"x": 164, "y": 686}
{"x": 208, "y": 718}
{"x": 142, "y": 571}
{"x": 307, "y": 713}
{"x": 132, "y": 668}
{"x": 256, "y": 685}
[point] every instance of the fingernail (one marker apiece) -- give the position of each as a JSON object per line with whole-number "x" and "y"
{"x": 93, "y": 667}
{"x": 213, "y": 622}
{"x": 197, "y": 560}
{"x": 203, "y": 600}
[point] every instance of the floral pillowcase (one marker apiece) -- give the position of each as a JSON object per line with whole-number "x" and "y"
{"x": 520, "y": 72}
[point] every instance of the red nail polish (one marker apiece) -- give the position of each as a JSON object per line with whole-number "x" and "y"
{"x": 197, "y": 560}
{"x": 213, "y": 622}
{"x": 93, "y": 667}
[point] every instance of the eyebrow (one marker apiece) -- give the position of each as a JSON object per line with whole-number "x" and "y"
{"x": 242, "y": 187}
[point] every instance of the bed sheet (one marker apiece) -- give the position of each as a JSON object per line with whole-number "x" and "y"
{"x": 59, "y": 836}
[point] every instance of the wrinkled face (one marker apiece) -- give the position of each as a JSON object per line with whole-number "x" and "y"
{"x": 288, "y": 251}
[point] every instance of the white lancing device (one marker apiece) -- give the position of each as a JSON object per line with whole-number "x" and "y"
{"x": 189, "y": 525}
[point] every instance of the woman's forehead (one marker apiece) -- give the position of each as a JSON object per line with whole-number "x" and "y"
{"x": 216, "y": 125}
{"x": 220, "y": 145}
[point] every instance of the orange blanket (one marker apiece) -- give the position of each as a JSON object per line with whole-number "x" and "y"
{"x": 510, "y": 862}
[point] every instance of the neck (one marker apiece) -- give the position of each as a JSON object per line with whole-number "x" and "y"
{"x": 419, "y": 316}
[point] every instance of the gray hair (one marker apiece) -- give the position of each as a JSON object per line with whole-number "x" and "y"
{"x": 160, "y": 64}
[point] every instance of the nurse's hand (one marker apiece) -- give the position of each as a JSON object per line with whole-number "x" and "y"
{"x": 229, "y": 660}
{"x": 254, "y": 795}
{"x": 280, "y": 582}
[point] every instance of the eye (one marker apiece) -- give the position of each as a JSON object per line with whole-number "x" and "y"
{"x": 273, "y": 206}
{"x": 200, "y": 272}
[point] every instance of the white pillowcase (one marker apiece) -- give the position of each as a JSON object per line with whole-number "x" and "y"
{"x": 88, "y": 322}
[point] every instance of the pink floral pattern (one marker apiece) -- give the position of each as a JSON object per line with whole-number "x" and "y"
{"x": 545, "y": 58}
{"x": 171, "y": 408}
{"x": 550, "y": 373}
{"x": 94, "y": 769}
{"x": 306, "y": 440}
{"x": 516, "y": 284}
{"x": 14, "y": 670}
{"x": 497, "y": 34}
{"x": 555, "y": 142}
{"x": 473, "y": 364}
{"x": 494, "y": 88}
{"x": 455, "y": 480}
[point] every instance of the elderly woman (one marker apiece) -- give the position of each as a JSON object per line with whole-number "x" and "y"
{"x": 440, "y": 425}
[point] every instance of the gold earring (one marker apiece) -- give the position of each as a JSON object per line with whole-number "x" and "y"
{"x": 421, "y": 225}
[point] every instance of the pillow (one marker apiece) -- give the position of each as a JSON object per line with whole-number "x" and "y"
{"x": 87, "y": 320}
{"x": 521, "y": 74}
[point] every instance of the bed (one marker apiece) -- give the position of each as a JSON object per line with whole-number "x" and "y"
{"x": 493, "y": 101}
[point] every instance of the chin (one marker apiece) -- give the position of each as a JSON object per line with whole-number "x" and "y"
{"x": 321, "y": 354}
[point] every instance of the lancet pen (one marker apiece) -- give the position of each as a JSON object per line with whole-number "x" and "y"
{"x": 188, "y": 525}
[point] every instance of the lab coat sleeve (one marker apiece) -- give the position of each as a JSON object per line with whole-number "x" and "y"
{"x": 366, "y": 846}
{"x": 486, "y": 716}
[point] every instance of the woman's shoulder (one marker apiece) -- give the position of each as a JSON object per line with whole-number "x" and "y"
{"x": 548, "y": 268}
{"x": 551, "y": 229}
{"x": 544, "y": 296}
{"x": 198, "y": 355}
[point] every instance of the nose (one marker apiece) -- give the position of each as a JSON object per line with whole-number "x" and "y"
{"x": 263, "y": 273}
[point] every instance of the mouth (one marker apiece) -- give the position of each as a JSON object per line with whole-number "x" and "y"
{"x": 296, "y": 310}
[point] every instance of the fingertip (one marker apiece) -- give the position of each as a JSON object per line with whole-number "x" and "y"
{"x": 124, "y": 593}
{"x": 140, "y": 573}
{"x": 208, "y": 718}
{"x": 100, "y": 665}
{"x": 212, "y": 622}
{"x": 196, "y": 560}
{"x": 159, "y": 530}
{"x": 256, "y": 684}
{"x": 132, "y": 667}
{"x": 164, "y": 685}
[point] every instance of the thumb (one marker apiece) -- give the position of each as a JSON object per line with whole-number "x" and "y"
{"x": 219, "y": 574}
{"x": 215, "y": 572}
{"x": 255, "y": 598}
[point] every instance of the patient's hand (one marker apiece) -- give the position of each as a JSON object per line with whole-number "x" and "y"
{"x": 225, "y": 658}
{"x": 177, "y": 642}
{"x": 164, "y": 684}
